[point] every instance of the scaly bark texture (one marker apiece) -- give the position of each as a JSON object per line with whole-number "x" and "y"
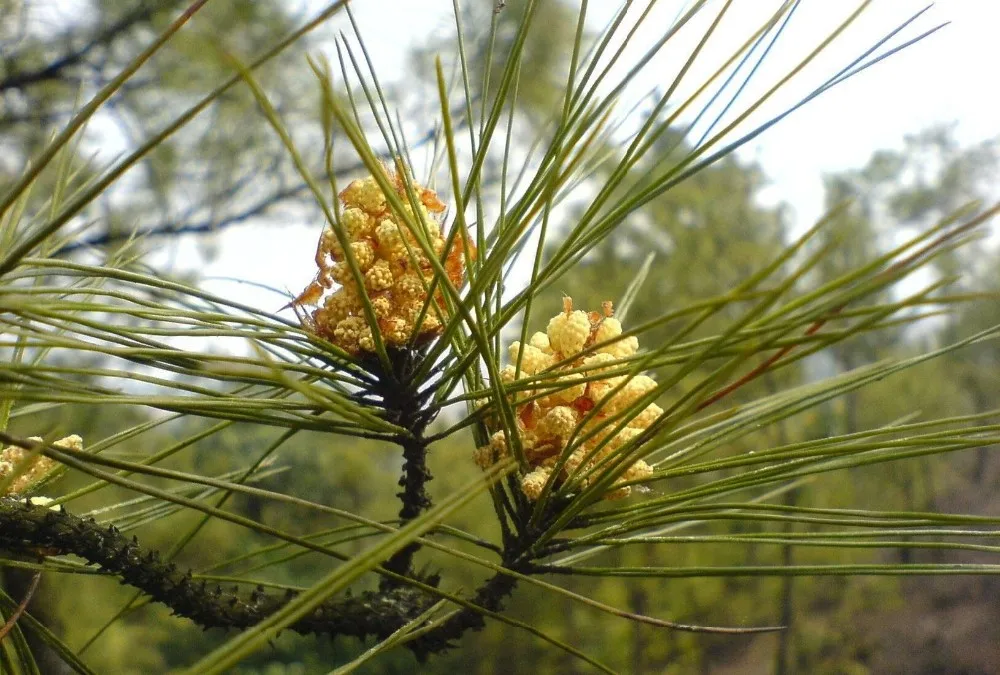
{"x": 36, "y": 530}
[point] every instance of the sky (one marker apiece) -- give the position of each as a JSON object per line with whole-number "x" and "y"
{"x": 942, "y": 79}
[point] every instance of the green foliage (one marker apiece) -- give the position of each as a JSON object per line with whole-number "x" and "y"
{"x": 813, "y": 430}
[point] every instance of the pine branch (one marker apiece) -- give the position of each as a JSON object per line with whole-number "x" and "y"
{"x": 37, "y": 530}
{"x": 56, "y": 70}
{"x": 406, "y": 406}
{"x": 214, "y": 225}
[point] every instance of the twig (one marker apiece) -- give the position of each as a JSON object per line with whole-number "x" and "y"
{"x": 819, "y": 323}
{"x": 54, "y": 70}
{"x": 27, "y": 527}
{"x": 23, "y": 605}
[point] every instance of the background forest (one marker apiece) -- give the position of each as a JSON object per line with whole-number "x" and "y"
{"x": 215, "y": 191}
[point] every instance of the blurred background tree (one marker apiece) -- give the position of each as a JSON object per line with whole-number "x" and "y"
{"x": 707, "y": 235}
{"x": 226, "y": 169}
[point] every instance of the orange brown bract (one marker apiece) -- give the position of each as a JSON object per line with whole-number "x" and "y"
{"x": 395, "y": 269}
{"x": 545, "y": 424}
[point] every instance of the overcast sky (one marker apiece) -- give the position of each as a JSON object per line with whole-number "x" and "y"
{"x": 945, "y": 78}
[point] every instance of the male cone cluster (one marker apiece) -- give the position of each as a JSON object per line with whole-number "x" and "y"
{"x": 547, "y": 424}
{"x": 30, "y": 468}
{"x": 391, "y": 254}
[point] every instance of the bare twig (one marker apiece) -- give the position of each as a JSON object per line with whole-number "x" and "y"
{"x": 22, "y": 606}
